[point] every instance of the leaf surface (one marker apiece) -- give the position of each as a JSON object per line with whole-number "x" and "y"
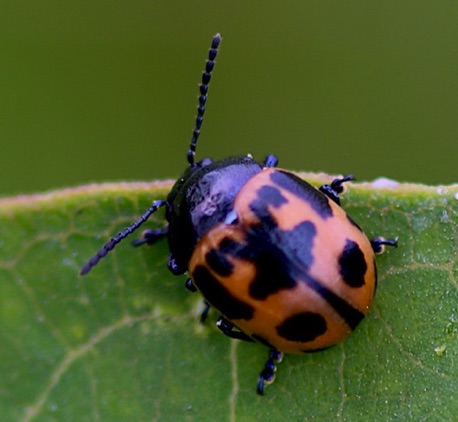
{"x": 125, "y": 342}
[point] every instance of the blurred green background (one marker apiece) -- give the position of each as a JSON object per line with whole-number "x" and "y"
{"x": 98, "y": 90}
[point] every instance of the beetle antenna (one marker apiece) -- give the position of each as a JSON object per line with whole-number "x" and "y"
{"x": 206, "y": 77}
{"x": 110, "y": 245}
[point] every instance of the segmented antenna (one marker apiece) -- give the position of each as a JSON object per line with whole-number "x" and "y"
{"x": 206, "y": 77}
{"x": 110, "y": 245}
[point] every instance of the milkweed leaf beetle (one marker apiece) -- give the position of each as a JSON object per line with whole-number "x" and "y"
{"x": 279, "y": 259}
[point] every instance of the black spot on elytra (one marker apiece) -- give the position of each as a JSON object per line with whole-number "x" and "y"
{"x": 270, "y": 249}
{"x": 272, "y": 261}
{"x": 216, "y": 294}
{"x": 351, "y": 316}
{"x": 229, "y": 246}
{"x": 271, "y": 195}
{"x": 271, "y": 274}
{"x": 267, "y": 223}
{"x": 303, "y": 190}
{"x": 352, "y": 265}
{"x": 217, "y": 261}
{"x": 267, "y": 257}
{"x": 303, "y": 327}
{"x": 299, "y": 240}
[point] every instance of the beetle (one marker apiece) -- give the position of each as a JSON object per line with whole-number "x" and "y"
{"x": 278, "y": 258}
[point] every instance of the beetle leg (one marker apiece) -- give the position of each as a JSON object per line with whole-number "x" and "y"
{"x": 192, "y": 288}
{"x": 378, "y": 244}
{"x": 190, "y": 285}
{"x": 205, "y": 311}
{"x": 231, "y": 331}
{"x": 267, "y": 375}
{"x": 151, "y": 236}
{"x": 271, "y": 161}
{"x": 333, "y": 190}
{"x": 174, "y": 268}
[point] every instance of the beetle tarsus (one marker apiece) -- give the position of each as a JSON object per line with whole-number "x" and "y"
{"x": 378, "y": 244}
{"x": 333, "y": 190}
{"x": 174, "y": 268}
{"x": 267, "y": 375}
{"x": 190, "y": 285}
{"x": 204, "y": 313}
{"x": 271, "y": 161}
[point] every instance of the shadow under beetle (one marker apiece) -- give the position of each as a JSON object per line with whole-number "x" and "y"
{"x": 279, "y": 259}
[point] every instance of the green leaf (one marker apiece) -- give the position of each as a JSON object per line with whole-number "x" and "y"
{"x": 125, "y": 342}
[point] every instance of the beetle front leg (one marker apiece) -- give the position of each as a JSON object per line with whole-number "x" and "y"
{"x": 192, "y": 288}
{"x": 151, "y": 236}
